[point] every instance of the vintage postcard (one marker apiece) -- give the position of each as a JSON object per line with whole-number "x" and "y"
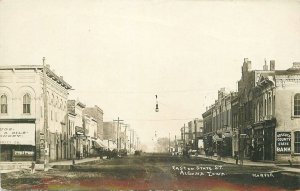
{"x": 150, "y": 95}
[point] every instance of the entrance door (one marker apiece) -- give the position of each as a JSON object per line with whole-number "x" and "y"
{"x": 269, "y": 143}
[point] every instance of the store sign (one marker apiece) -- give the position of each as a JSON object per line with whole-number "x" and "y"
{"x": 17, "y": 134}
{"x": 283, "y": 142}
{"x": 23, "y": 153}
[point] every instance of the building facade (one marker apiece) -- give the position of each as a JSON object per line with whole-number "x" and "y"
{"x": 75, "y": 133}
{"x": 91, "y": 134}
{"x": 218, "y": 125}
{"x": 22, "y": 116}
{"x": 97, "y": 113}
{"x": 110, "y": 134}
{"x": 261, "y": 120}
{"x": 195, "y": 129}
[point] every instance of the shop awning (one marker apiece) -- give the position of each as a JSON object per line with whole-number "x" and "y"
{"x": 99, "y": 144}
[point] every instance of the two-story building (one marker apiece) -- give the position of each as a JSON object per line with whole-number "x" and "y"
{"x": 24, "y": 96}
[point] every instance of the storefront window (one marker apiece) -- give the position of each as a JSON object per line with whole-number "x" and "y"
{"x": 297, "y": 142}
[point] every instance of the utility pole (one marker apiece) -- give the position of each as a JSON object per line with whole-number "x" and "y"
{"x": 184, "y": 136}
{"x": 126, "y": 125}
{"x": 169, "y": 143}
{"x": 129, "y": 141}
{"x": 45, "y": 148}
{"x": 118, "y": 132}
{"x": 176, "y": 144}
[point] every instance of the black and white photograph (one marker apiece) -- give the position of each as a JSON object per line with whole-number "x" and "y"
{"x": 150, "y": 95}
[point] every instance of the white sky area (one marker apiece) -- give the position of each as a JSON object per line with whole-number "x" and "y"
{"x": 120, "y": 54}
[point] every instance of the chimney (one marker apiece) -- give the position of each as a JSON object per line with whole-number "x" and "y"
{"x": 265, "y": 67}
{"x": 61, "y": 77}
{"x": 296, "y": 65}
{"x": 272, "y": 65}
{"x": 48, "y": 66}
{"x": 248, "y": 65}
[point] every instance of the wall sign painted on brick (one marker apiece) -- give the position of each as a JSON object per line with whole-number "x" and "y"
{"x": 17, "y": 134}
{"x": 283, "y": 142}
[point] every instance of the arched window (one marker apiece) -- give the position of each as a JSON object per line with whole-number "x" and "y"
{"x": 26, "y": 103}
{"x": 297, "y": 104}
{"x": 3, "y": 104}
{"x": 52, "y": 99}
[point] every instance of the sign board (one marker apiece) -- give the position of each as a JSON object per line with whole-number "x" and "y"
{"x": 23, "y": 153}
{"x": 200, "y": 144}
{"x": 283, "y": 142}
{"x": 17, "y": 134}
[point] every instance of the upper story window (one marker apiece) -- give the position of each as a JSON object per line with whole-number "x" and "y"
{"x": 52, "y": 99}
{"x": 3, "y": 103}
{"x": 297, "y": 104}
{"x": 26, "y": 103}
{"x": 297, "y": 142}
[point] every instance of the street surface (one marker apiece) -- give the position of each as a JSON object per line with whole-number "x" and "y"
{"x": 153, "y": 171}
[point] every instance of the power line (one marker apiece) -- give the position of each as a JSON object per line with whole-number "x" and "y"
{"x": 174, "y": 119}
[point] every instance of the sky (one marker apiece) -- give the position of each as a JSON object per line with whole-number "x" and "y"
{"x": 120, "y": 54}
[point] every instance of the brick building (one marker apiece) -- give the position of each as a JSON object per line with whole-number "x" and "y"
{"x": 262, "y": 118}
{"x": 97, "y": 113}
{"x": 22, "y": 113}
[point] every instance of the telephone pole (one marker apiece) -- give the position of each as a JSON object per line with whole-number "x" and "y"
{"x": 126, "y": 140}
{"x": 118, "y": 131}
{"x": 184, "y": 136}
{"x": 169, "y": 143}
{"x": 45, "y": 99}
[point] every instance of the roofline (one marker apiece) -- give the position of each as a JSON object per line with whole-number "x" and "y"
{"x": 50, "y": 73}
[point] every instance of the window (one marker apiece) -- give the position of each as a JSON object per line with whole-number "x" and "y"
{"x": 297, "y": 104}
{"x": 297, "y": 142}
{"x": 26, "y": 103}
{"x": 3, "y": 104}
{"x": 52, "y": 99}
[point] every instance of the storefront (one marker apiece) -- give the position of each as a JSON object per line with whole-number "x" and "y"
{"x": 208, "y": 144}
{"x": 263, "y": 142}
{"x": 226, "y": 144}
{"x": 17, "y": 140}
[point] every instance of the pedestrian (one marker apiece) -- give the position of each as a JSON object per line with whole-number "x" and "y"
{"x": 32, "y": 167}
{"x": 236, "y": 157}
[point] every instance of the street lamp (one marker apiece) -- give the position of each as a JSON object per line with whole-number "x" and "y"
{"x": 156, "y": 108}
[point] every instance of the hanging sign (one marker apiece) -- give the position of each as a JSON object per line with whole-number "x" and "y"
{"x": 283, "y": 142}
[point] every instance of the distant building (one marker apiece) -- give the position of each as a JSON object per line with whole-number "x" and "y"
{"x": 75, "y": 132}
{"x": 22, "y": 113}
{"x": 195, "y": 132}
{"x": 90, "y": 132}
{"x": 218, "y": 126}
{"x": 97, "y": 113}
{"x": 110, "y": 134}
{"x": 186, "y": 135}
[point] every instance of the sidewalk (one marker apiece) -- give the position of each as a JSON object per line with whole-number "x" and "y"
{"x": 229, "y": 160}
{"x": 17, "y": 166}
{"x": 70, "y": 162}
